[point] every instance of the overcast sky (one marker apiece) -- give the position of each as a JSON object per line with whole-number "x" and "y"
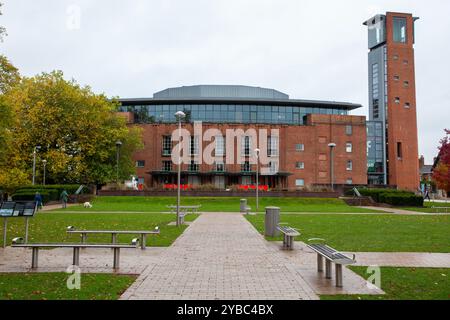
{"x": 307, "y": 49}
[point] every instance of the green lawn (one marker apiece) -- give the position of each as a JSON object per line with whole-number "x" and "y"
{"x": 371, "y": 233}
{"x": 219, "y": 204}
{"x": 405, "y": 284}
{"x": 53, "y": 286}
{"x": 51, "y": 226}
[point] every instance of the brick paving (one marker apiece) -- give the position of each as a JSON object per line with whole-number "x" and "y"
{"x": 221, "y": 256}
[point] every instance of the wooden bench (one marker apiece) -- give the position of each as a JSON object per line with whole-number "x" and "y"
{"x": 18, "y": 243}
{"x": 331, "y": 256}
{"x": 114, "y": 233}
{"x": 438, "y": 209}
{"x": 289, "y": 234}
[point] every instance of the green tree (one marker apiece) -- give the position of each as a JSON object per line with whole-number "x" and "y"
{"x": 9, "y": 75}
{"x": 76, "y": 129}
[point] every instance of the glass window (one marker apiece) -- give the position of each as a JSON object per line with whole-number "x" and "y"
{"x": 167, "y": 166}
{"x": 299, "y": 182}
{"x": 246, "y": 145}
{"x": 300, "y": 165}
{"x": 167, "y": 146}
{"x": 349, "y": 130}
{"x": 349, "y": 165}
{"x": 220, "y": 146}
{"x": 300, "y": 147}
{"x": 399, "y": 29}
{"x": 246, "y": 167}
{"x": 272, "y": 146}
{"x": 349, "y": 181}
{"x": 193, "y": 166}
{"x": 349, "y": 147}
{"x": 219, "y": 166}
{"x": 194, "y": 145}
{"x": 140, "y": 164}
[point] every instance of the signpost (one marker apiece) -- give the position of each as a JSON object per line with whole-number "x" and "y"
{"x": 11, "y": 209}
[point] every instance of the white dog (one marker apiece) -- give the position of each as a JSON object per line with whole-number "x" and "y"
{"x": 87, "y": 205}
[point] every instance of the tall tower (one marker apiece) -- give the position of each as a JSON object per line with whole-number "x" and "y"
{"x": 392, "y": 102}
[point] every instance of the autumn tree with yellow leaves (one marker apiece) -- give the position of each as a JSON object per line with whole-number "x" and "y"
{"x": 76, "y": 130}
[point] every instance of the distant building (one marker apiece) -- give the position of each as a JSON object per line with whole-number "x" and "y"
{"x": 306, "y": 128}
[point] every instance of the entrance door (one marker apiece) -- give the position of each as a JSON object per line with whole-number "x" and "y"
{"x": 219, "y": 182}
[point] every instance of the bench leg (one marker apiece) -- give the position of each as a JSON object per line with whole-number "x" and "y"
{"x": 291, "y": 243}
{"x": 285, "y": 241}
{"x": 76, "y": 256}
{"x": 34, "y": 258}
{"x": 328, "y": 269}
{"x": 339, "y": 275}
{"x": 319, "y": 263}
{"x": 116, "y": 261}
{"x": 143, "y": 241}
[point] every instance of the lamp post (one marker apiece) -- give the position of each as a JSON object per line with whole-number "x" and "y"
{"x": 179, "y": 115}
{"x": 34, "y": 163}
{"x": 257, "y": 151}
{"x": 118, "y": 145}
{"x": 45, "y": 165}
{"x": 332, "y": 146}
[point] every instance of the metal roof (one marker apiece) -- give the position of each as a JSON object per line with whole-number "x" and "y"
{"x": 224, "y": 95}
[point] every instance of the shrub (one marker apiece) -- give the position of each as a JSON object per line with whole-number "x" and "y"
{"x": 29, "y": 196}
{"x": 401, "y": 199}
{"x": 71, "y": 189}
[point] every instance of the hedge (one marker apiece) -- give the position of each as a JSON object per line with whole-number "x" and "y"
{"x": 71, "y": 188}
{"x": 29, "y": 196}
{"x": 398, "y": 199}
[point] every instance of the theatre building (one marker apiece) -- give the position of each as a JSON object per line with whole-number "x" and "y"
{"x": 304, "y": 145}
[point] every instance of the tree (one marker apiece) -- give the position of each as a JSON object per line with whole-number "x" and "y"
{"x": 441, "y": 173}
{"x": 2, "y": 29}
{"x": 76, "y": 129}
{"x": 9, "y": 75}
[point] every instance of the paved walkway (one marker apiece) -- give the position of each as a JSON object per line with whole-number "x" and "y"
{"x": 404, "y": 212}
{"x": 221, "y": 256}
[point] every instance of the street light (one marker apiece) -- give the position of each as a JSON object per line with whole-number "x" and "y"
{"x": 179, "y": 115}
{"x": 34, "y": 163}
{"x": 332, "y": 146}
{"x": 45, "y": 165}
{"x": 118, "y": 145}
{"x": 257, "y": 151}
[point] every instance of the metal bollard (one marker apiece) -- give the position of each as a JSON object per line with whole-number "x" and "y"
{"x": 243, "y": 205}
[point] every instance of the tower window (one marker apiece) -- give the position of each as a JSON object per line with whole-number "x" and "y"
{"x": 407, "y": 105}
{"x": 405, "y": 62}
{"x": 396, "y": 78}
{"x": 300, "y": 165}
{"x": 399, "y": 29}
{"x": 349, "y": 165}
{"x": 399, "y": 151}
{"x": 397, "y": 100}
{"x": 348, "y": 130}
{"x": 406, "y": 84}
{"x": 349, "y": 147}
{"x": 396, "y": 57}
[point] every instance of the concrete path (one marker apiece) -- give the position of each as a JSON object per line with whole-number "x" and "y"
{"x": 404, "y": 259}
{"x": 404, "y": 212}
{"x": 221, "y": 256}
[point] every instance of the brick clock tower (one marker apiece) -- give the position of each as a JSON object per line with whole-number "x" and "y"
{"x": 392, "y": 102}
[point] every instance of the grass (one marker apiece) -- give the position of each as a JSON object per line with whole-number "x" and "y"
{"x": 405, "y": 284}
{"x": 371, "y": 233}
{"x": 220, "y": 204}
{"x": 53, "y": 286}
{"x": 51, "y": 227}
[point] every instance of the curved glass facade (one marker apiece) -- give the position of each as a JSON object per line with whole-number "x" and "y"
{"x": 227, "y": 113}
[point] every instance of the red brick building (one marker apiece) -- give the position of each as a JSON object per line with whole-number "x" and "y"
{"x": 392, "y": 100}
{"x": 305, "y": 130}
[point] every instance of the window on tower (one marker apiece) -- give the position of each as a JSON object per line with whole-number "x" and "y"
{"x": 399, "y": 29}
